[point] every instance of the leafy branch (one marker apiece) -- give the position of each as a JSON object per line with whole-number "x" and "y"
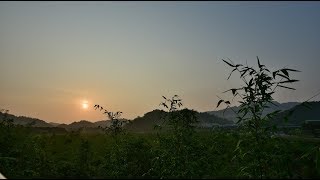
{"x": 116, "y": 126}
{"x": 255, "y": 95}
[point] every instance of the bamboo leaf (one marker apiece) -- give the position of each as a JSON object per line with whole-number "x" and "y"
{"x": 260, "y": 66}
{"x": 228, "y": 63}
{"x": 285, "y": 72}
{"x": 288, "y": 81}
{"x": 287, "y": 87}
{"x": 234, "y": 91}
{"x": 283, "y": 76}
{"x": 243, "y": 73}
{"x": 274, "y": 74}
{"x": 287, "y": 69}
{"x": 231, "y": 73}
{"x": 220, "y": 102}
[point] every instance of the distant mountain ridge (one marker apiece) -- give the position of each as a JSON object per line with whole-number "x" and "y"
{"x": 157, "y": 117}
{"x": 206, "y": 119}
{"x": 230, "y": 115}
{"x": 87, "y": 124}
{"x": 54, "y": 124}
{"x": 25, "y": 121}
{"x": 144, "y": 123}
{"x": 299, "y": 113}
{"x": 34, "y": 122}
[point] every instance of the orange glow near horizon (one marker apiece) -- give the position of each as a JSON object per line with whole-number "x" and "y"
{"x": 85, "y": 105}
{"x": 58, "y": 60}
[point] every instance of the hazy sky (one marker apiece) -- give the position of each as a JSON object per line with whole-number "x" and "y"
{"x": 126, "y": 55}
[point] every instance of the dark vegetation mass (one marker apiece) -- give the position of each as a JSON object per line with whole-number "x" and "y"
{"x": 170, "y": 143}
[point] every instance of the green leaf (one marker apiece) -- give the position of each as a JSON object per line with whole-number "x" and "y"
{"x": 238, "y": 145}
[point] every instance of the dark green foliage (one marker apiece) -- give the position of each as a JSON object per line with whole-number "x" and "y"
{"x": 208, "y": 154}
{"x": 179, "y": 154}
{"x": 255, "y": 94}
{"x": 116, "y": 126}
{"x": 300, "y": 113}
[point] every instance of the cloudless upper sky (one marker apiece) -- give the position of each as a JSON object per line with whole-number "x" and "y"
{"x": 126, "y": 55}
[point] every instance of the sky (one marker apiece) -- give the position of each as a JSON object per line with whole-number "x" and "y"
{"x": 125, "y": 55}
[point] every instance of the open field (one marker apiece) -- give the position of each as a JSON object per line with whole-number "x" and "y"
{"x": 206, "y": 154}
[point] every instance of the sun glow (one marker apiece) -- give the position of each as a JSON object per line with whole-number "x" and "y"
{"x": 85, "y": 105}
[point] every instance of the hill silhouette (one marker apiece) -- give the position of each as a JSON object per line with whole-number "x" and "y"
{"x": 300, "y": 113}
{"x": 83, "y": 124}
{"x": 77, "y": 125}
{"x": 26, "y": 121}
{"x": 230, "y": 115}
{"x": 158, "y": 117}
{"x": 147, "y": 122}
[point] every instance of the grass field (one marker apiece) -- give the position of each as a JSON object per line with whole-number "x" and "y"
{"x": 206, "y": 154}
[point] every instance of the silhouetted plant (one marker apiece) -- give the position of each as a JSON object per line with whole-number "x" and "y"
{"x": 5, "y": 121}
{"x": 174, "y": 103}
{"x": 6, "y": 129}
{"x": 256, "y": 93}
{"x": 182, "y": 121}
{"x": 116, "y": 157}
{"x": 175, "y": 160}
{"x": 116, "y": 126}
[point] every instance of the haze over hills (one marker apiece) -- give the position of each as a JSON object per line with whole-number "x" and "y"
{"x": 157, "y": 117}
{"x": 206, "y": 119}
{"x": 300, "y": 113}
{"x": 87, "y": 124}
{"x": 230, "y": 114}
{"x": 54, "y": 124}
{"x": 34, "y": 122}
{"x": 22, "y": 120}
{"x": 144, "y": 123}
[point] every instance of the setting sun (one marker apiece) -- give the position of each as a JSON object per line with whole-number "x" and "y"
{"x": 85, "y": 105}
{"x": 159, "y": 90}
